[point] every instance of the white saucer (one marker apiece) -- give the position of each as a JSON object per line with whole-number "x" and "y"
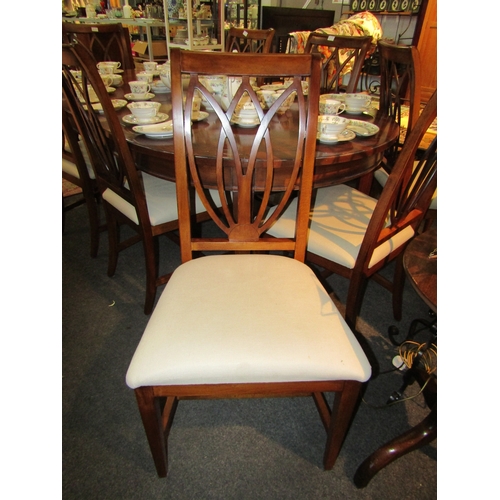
{"x": 157, "y": 131}
{"x": 202, "y": 115}
{"x": 117, "y": 104}
{"x": 236, "y": 120}
{"x": 356, "y": 111}
{"x": 346, "y": 135}
{"x": 131, "y": 97}
{"x": 362, "y": 129}
{"x": 118, "y": 71}
{"x": 160, "y": 89}
{"x": 132, "y": 120}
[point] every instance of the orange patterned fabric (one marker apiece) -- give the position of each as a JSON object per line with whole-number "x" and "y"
{"x": 361, "y": 24}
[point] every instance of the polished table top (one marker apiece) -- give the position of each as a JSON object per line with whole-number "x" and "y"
{"x": 335, "y": 163}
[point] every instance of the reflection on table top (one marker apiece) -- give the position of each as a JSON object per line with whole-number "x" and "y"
{"x": 335, "y": 163}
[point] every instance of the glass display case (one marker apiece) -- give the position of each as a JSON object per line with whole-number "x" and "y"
{"x": 242, "y": 14}
{"x": 195, "y": 24}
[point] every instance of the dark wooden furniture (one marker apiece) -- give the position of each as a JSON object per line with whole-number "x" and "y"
{"x": 227, "y": 325}
{"x": 286, "y": 20}
{"x": 334, "y": 163}
{"x": 422, "y": 273}
{"x": 76, "y": 169}
{"x": 145, "y": 203}
{"x": 339, "y": 53}
{"x": 106, "y": 42}
{"x": 400, "y": 82}
{"x": 249, "y": 40}
{"x": 355, "y": 236}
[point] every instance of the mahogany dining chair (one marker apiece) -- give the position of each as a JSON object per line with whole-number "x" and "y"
{"x": 355, "y": 236}
{"x": 242, "y": 320}
{"x": 106, "y": 42}
{"x": 341, "y": 56}
{"x": 145, "y": 203}
{"x": 77, "y": 169}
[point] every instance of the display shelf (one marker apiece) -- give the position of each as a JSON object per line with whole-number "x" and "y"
{"x": 242, "y": 14}
{"x": 201, "y": 34}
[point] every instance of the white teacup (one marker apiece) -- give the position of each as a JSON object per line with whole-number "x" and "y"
{"x": 267, "y": 97}
{"x": 331, "y": 126}
{"x": 108, "y": 67}
{"x": 165, "y": 75}
{"x": 117, "y": 80}
{"x": 357, "y": 103}
{"x": 139, "y": 87}
{"x": 150, "y": 66}
{"x": 107, "y": 80}
{"x": 145, "y": 77}
{"x": 329, "y": 106}
{"x": 144, "y": 111}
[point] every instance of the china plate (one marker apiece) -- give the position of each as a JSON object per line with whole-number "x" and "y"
{"x": 356, "y": 112}
{"x": 132, "y": 120}
{"x": 235, "y": 120}
{"x": 362, "y": 129}
{"x": 202, "y": 115}
{"x": 157, "y": 131}
{"x": 160, "y": 89}
{"x": 346, "y": 135}
{"x": 147, "y": 97}
{"x": 117, "y": 104}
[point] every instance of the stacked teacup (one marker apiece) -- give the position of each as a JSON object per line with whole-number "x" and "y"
{"x": 110, "y": 69}
{"x": 330, "y": 125}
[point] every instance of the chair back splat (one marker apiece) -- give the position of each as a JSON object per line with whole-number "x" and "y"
{"x": 243, "y": 320}
{"x": 340, "y": 55}
{"x": 400, "y": 83}
{"x": 106, "y": 42}
{"x": 249, "y": 40}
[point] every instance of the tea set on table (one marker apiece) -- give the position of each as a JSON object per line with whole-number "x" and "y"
{"x": 147, "y": 119}
{"x": 333, "y": 128}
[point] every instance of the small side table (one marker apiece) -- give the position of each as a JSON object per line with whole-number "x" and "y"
{"x": 422, "y": 272}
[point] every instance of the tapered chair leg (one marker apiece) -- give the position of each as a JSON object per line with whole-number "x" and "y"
{"x": 343, "y": 409}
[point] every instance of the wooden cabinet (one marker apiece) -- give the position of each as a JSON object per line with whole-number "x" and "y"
{"x": 426, "y": 42}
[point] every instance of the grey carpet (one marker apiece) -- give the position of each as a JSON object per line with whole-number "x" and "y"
{"x": 236, "y": 449}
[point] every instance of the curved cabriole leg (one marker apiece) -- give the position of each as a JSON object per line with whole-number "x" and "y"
{"x": 423, "y": 433}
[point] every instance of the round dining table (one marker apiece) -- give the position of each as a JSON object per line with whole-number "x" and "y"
{"x": 335, "y": 163}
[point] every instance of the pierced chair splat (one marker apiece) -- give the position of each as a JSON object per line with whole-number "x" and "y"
{"x": 341, "y": 56}
{"x": 243, "y": 320}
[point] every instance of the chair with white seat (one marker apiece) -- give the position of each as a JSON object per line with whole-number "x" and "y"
{"x": 143, "y": 202}
{"x": 244, "y": 322}
{"x": 355, "y": 235}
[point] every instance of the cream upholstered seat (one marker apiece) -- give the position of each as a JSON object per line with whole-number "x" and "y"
{"x": 244, "y": 324}
{"x": 287, "y": 330}
{"x": 355, "y": 236}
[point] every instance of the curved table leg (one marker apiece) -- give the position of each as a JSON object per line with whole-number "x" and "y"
{"x": 423, "y": 433}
